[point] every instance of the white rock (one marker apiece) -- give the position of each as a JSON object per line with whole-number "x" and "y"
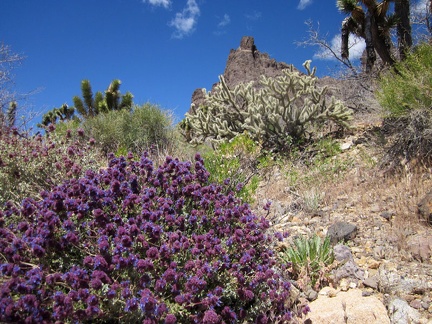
{"x": 348, "y": 308}
{"x": 401, "y": 313}
{"x": 346, "y": 146}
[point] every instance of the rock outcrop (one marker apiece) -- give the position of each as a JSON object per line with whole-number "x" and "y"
{"x": 245, "y": 64}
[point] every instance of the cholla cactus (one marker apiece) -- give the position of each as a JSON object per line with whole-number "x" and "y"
{"x": 276, "y": 112}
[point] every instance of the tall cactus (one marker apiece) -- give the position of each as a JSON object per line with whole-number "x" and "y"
{"x": 90, "y": 106}
{"x": 86, "y": 105}
{"x": 64, "y": 113}
{"x": 280, "y": 110}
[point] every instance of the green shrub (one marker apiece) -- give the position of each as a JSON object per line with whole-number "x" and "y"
{"x": 121, "y": 131}
{"x": 409, "y": 86}
{"x": 235, "y": 163}
{"x": 309, "y": 258}
{"x": 406, "y": 96}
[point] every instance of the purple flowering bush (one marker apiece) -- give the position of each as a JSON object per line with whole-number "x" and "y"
{"x": 136, "y": 243}
{"x": 30, "y": 164}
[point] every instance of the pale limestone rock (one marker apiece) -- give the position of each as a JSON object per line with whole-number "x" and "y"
{"x": 347, "y": 308}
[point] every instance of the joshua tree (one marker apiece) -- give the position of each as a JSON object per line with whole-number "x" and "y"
{"x": 371, "y": 20}
{"x": 63, "y": 113}
{"x": 90, "y": 105}
{"x": 402, "y": 11}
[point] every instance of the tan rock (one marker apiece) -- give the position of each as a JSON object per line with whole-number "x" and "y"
{"x": 420, "y": 246}
{"x": 328, "y": 291}
{"x": 344, "y": 284}
{"x": 347, "y": 308}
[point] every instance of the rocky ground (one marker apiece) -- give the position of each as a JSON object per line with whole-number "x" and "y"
{"x": 383, "y": 272}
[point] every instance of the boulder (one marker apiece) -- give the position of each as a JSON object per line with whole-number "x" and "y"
{"x": 390, "y": 281}
{"x": 420, "y": 246}
{"x": 348, "y": 307}
{"x": 341, "y": 232}
{"x": 350, "y": 271}
{"x": 342, "y": 253}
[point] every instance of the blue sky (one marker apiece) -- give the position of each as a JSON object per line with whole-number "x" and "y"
{"x": 161, "y": 50}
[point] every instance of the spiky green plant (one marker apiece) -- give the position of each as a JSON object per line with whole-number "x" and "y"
{"x": 91, "y": 105}
{"x": 309, "y": 259}
{"x": 64, "y": 113}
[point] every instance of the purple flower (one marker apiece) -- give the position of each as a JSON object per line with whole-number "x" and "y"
{"x": 267, "y": 206}
{"x": 92, "y": 311}
{"x": 170, "y": 319}
{"x": 180, "y": 299}
{"x": 132, "y": 304}
{"x": 126, "y": 293}
{"x": 96, "y": 283}
{"x": 160, "y": 285}
{"x": 182, "y": 242}
{"x": 152, "y": 253}
{"x": 170, "y": 275}
{"x": 210, "y": 317}
{"x": 37, "y": 250}
{"x": 92, "y": 300}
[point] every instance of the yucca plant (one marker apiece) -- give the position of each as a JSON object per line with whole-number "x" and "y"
{"x": 310, "y": 260}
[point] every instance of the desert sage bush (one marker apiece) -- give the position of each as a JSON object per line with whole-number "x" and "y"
{"x": 30, "y": 164}
{"x": 123, "y": 131}
{"x": 134, "y": 243}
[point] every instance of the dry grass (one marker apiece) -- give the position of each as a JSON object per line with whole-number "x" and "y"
{"x": 353, "y": 182}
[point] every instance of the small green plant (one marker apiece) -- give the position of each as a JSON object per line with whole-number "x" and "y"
{"x": 328, "y": 147}
{"x": 309, "y": 259}
{"x": 312, "y": 199}
{"x": 235, "y": 163}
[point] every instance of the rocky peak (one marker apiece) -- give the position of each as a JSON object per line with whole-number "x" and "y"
{"x": 245, "y": 64}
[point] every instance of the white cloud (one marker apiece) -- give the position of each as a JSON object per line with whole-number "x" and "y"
{"x": 225, "y": 21}
{"x": 356, "y": 48}
{"x": 163, "y": 3}
{"x": 253, "y": 16}
{"x": 185, "y": 21}
{"x": 303, "y": 4}
{"x": 419, "y": 7}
